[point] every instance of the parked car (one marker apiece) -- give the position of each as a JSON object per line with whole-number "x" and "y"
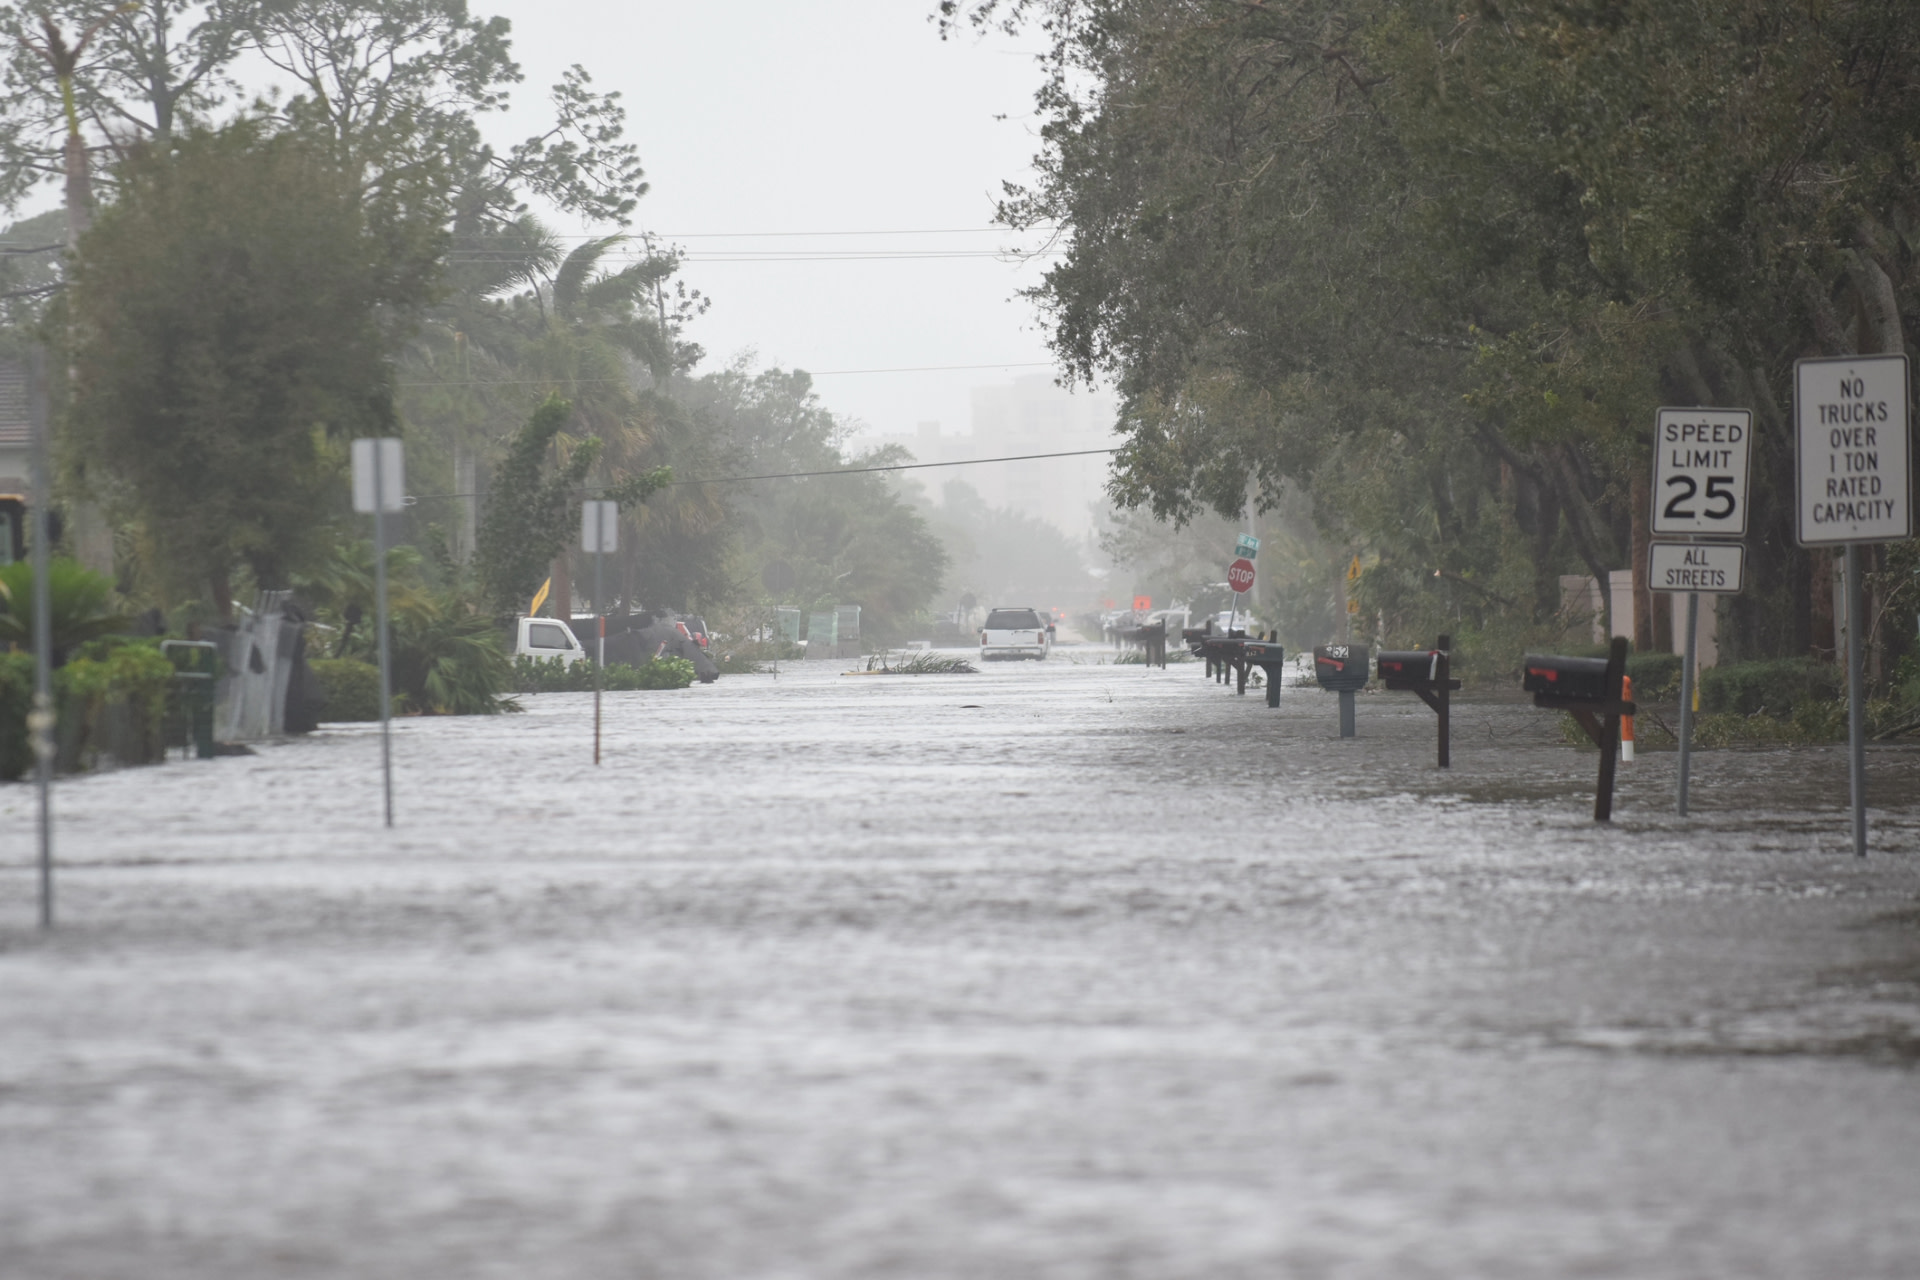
{"x": 638, "y": 638}
{"x": 545, "y": 638}
{"x": 1014, "y": 633}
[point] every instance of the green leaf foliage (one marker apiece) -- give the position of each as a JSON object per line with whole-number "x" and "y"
{"x": 232, "y": 313}
{"x": 530, "y": 513}
{"x": 350, "y": 687}
{"x": 448, "y": 660}
{"x": 1436, "y": 264}
{"x": 551, "y": 675}
{"x": 110, "y": 700}
{"x": 81, "y": 605}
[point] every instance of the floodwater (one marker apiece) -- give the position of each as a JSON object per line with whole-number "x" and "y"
{"x": 1059, "y": 970}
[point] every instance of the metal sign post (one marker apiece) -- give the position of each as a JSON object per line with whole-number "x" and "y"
{"x": 1701, "y": 460}
{"x": 40, "y": 720}
{"x": 599, "y": 536}
{"x": 1855, "y": 481}
{"x": 1240, "y": 580}
{"x": 379, "y": 486}
{"x": 1715, "y": 568}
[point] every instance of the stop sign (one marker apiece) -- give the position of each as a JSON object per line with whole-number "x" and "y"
{"x": 1240, "y": 575}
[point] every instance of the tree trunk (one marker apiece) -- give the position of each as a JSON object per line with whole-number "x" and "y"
{"x": 222, "y": 589}
{"x": 89, "y": 533}
{"x": 79, "y": 191}
{"x": 1579, "y": 517}
{"x": 560, "y": 599}
{"x": 1645, "y": 639}
{"x": 1820, "y": 603}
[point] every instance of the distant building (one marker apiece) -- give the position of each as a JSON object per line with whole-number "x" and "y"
{"x": 1028, "y": 415}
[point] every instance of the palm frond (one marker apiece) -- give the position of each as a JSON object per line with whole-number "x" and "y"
{"x": 571, "y": 279}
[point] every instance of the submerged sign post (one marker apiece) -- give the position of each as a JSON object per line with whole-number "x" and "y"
{"x": 1701, "y": 459}
{"x": 599, "y": 537}
{"x": 1854, "y": 474}
{"x": 380, "y": 486}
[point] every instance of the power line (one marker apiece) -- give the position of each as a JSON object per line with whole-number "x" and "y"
{"x": 1013, "y": 256}
{"x": 837, "y": 471}
{"x": 900, "y": 466}
{"x": 812, "y": 373}
{"x": 781, "y": 235}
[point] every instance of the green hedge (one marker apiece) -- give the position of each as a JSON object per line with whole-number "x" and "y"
{"x": 350, "y": 687}
{"x": 551, "y": 675}
{"x": 1654, "y": 675}
{"x": 1779, "y": 687}
{"x": 110, "y": 701}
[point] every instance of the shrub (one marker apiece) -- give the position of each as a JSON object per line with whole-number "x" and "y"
{"x": 551, "y": 675}
{"x": 110, "y": 700}
{"x": 661, "y": 673}
{"x": 448, "y": 661}
{"x": 1779, "y": 687}
{"x": 1654, "y": 675}
{"x": 79, "y": 598}
{"x": 350, "y": 688}
{"x": 16, "y": 700}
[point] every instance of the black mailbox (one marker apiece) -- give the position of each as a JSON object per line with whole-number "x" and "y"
{"x": 1409, "y": 666}
{"x": 1340, "y": 667}
{"x": 1589, "y": 690}
{"x": 1575, "y": 679}
{"x": 1428, "y": 675}
{"x": 1271, "y": 657}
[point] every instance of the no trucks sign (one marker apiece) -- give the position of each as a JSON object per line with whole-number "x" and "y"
{"x": 1855, "y": 466}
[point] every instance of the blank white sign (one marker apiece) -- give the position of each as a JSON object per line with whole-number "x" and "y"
{"x": 393, "y": 475}
{"x": 599, "y": 526}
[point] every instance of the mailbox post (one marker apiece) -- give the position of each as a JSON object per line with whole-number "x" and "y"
{"x": 1588, "y": 689}
{"x": 1341, "y": 668}
{"x": 1225, "y": 656}
{"x": 1428, "y": 674}
{"x": 1271, "y": 657}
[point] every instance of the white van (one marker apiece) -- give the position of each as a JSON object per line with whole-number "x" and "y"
{"x": 544, "y": 638}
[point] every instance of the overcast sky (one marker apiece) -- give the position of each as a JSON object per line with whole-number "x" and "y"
{"x": 758, "y": 117}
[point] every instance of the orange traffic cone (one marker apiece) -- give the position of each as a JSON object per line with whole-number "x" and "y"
{"x": 1626, "y": 722}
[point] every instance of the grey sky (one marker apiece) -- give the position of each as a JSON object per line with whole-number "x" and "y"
{"x": 826, "y": 116}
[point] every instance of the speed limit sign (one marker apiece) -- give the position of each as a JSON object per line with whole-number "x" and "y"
{"x": 1700, "y": 471}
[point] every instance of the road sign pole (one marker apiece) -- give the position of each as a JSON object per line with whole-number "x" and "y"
{"x": 40, "y": 723}
{"x": 380, "y": 608}
{"x": 600, "y": 649}
{"x": 1687, "y": 677}
{"x": 1856, "y": 703}
{"x": 599, "y": 536}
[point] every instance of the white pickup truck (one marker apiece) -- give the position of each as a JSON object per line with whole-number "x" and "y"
{"x": 544, "y": 638}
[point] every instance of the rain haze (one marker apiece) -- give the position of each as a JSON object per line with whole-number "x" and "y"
{"x": 531, "y": 745}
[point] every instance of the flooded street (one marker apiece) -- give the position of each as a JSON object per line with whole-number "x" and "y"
{"x": 1063, "y": 969}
